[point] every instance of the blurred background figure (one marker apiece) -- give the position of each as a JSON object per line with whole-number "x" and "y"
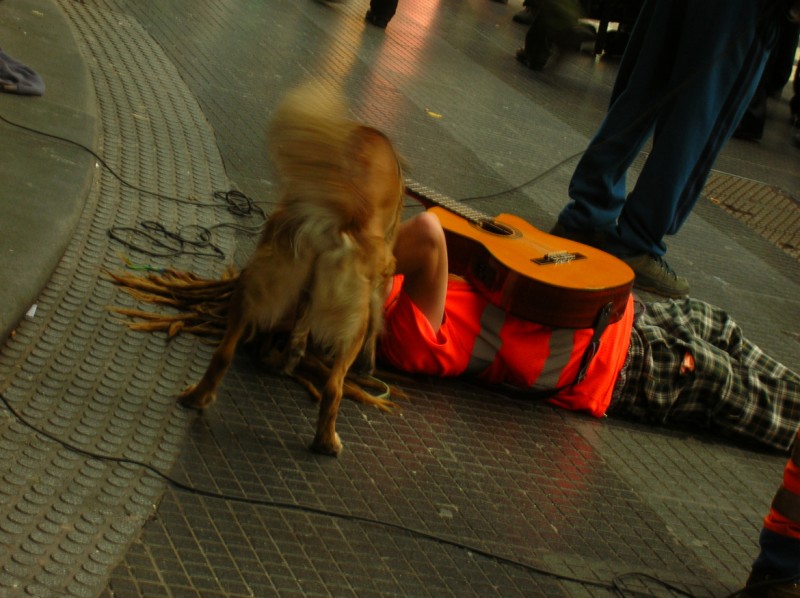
{"x": 381, "y": 12}
{"x": 554, "y": 27}
{"x": 776, "y": 74}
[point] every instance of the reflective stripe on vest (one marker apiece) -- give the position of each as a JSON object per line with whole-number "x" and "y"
{"x": 560, "y": 350}
{"x": 488, "y": 343}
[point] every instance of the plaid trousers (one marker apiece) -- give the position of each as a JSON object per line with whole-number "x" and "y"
{"x": 734, "y": 389}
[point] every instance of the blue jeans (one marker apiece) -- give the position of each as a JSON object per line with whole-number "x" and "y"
{"x": 686, "y": 78}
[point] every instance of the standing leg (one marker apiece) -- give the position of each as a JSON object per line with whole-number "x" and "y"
{"x": 553, "y": 20}
{"x": 717, "y": 76}
{"x": 687, "y": 76}
{"x": 598, "y": 186}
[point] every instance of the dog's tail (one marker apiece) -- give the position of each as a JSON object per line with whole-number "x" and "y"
{"x": 312, "y": 144}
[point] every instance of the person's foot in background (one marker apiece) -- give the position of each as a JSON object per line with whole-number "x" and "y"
{"x": 525, "y": 16}
{"x": 373, "y": 19}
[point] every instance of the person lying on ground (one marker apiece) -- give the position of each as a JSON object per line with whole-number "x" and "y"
{"x": 679, "y": 362}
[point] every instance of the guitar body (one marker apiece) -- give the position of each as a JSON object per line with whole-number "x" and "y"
{"x": 535, "y": 275}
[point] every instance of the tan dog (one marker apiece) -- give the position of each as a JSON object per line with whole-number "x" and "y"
{"x": 325, "y": 256}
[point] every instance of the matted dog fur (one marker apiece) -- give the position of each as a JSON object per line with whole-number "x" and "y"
{"x": 325, "y": 257}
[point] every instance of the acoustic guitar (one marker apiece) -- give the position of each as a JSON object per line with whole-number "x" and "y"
{"x": 530, "y": 273}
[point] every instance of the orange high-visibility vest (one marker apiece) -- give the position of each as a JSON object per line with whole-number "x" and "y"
{"x": 477, "y": 338}
{"x": 784, "y": 514}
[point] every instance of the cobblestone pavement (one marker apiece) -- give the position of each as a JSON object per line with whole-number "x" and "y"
{"x": 110, "y": 489}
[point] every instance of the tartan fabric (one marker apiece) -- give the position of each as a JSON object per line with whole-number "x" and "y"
{"x": 735, "y": 388}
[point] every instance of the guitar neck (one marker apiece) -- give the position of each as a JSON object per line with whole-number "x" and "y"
{"x": 428, "y": 197}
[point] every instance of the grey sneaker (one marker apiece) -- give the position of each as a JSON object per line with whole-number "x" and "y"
{"x": 654, "y": 274}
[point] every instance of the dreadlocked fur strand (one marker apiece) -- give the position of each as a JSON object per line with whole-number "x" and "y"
{"x": 203, "y": 311}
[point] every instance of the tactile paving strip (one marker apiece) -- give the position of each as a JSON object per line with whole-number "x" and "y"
{"x": 74, "y": 371}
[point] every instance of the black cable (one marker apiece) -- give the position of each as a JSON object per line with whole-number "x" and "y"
{"x": 619, "y": 578}
{"x": 161, "y": 242}
{"x": 239, "y": 204}
{"x": 613, "y": 586}
{"x": 116, "y": 175}
{"x": 527, "y": 183}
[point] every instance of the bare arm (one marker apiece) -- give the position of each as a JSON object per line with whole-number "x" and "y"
{"x": 421, "y": 255}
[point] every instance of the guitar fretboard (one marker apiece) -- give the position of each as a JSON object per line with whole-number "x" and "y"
{"x": 427, "y": 194}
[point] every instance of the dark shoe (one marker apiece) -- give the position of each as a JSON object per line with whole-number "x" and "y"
{"x": 750, "y": 128}
{"x": 371, "y": 18}
{"x": 577, "y": 37}
{"x": 760, "y": 587}
{"x": 535, "y": 63}
{"x": 616, "y": 42}
{"x": 525, "y": 16}
{"x": 654, "y": 274}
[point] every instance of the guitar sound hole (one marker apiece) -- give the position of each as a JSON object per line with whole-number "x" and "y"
{"x": 496, "y": 228}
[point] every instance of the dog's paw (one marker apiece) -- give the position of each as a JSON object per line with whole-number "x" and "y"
{"x": 327, "y": 447}
{"x": 195, "y": 399}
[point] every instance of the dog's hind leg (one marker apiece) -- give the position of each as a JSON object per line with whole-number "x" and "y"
{"x": 365, "y": 361}
{"x": 326, "y": 440}
{"x": 298, "y": 340}
{"x": 204, "y": 393}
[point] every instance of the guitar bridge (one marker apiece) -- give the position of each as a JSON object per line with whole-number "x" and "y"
{"x": 558, "y": 257}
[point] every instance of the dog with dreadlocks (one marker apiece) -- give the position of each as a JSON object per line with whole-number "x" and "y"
{"x": 325, "y": 257}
